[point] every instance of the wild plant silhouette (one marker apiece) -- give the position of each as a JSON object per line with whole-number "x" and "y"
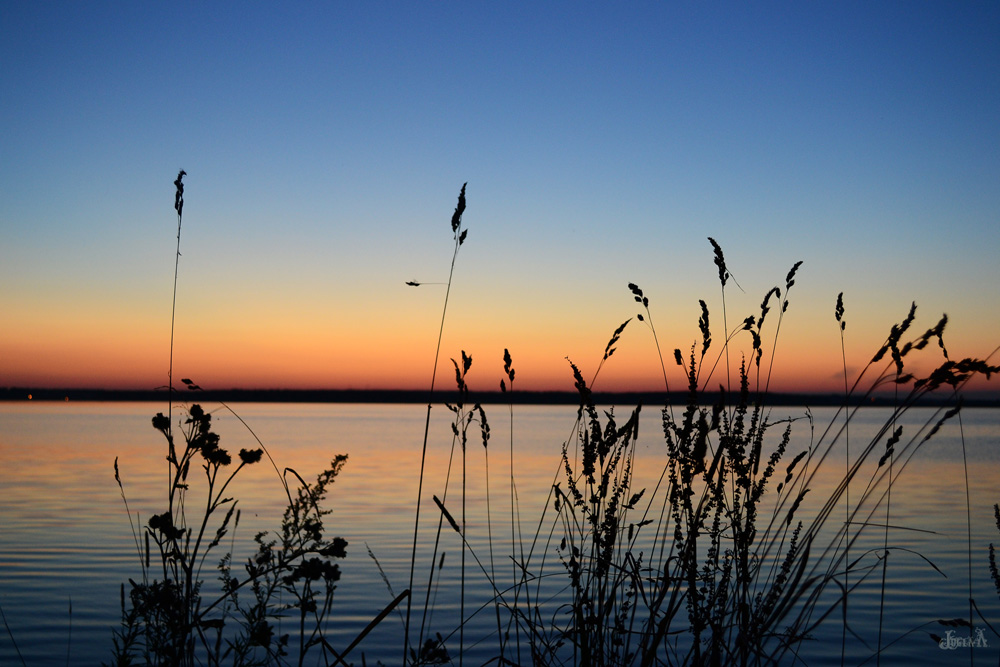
{"x": 731, "y": 557}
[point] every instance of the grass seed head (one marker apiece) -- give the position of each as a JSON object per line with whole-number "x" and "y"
{"x": 720, "y": 261}
{"x": 456, "y": 218}
{"x": 179, "y": 194}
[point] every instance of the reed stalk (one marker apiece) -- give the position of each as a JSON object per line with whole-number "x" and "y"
{"x": 179, "y": 208}
{"x": 839, "y": 314}
{"x": 459, "y": 235}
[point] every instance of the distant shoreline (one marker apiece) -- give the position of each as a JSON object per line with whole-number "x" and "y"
{"x": 421, "y": 396}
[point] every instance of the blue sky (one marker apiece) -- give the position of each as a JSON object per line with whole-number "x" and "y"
{"x": 325, "y": 145}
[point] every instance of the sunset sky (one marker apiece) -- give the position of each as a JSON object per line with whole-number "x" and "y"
{"x": 325, "y": 145}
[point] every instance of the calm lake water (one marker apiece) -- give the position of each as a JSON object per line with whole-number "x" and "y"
{"x": 66, "y": 545}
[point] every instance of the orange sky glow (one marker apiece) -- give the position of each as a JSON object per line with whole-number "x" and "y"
{"x": 324, "y": 151}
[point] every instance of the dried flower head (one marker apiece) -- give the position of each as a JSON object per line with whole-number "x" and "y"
{"x": 250, "y": 456}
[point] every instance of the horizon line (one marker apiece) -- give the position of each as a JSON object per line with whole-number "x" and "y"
{"x": 517, "y": 397}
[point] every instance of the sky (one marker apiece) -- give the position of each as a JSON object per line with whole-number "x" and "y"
{"x": 325, "y": 145}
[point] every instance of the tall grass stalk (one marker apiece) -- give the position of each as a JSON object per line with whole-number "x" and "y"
{"x": 484, "y": 428}
{"x": 459, "y": 238}
{"x": 720, "y": 262}
{"x": 179, "y": 208}
{"x": 842, "y": 325}
{"x": 890, "y": 453}
{"x": 516, "y": 542}
{"x": 432, "y": 650}
{"x": 968, "y": 524}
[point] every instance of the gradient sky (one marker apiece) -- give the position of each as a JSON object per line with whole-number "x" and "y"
{"x": 326, "y": 143}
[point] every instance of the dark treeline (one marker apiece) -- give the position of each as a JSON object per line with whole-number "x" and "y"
{"x": 420, "y": 396}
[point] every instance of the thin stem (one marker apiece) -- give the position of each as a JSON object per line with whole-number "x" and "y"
{"x": 968, "y": 518}
{"x": 659, "y": 355}
{"x": 461, "y": 615}
{"x": 885, "y": 546}
{"x": 847, "y": 478}
{"x": 179, "y": 207}
{"x": 459, "y": 238}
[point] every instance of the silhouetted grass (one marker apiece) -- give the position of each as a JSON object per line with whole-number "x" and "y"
{"x": 712, "y": 566}
{"x": 731, "y": 557}
{"x": 174, "y": 615}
